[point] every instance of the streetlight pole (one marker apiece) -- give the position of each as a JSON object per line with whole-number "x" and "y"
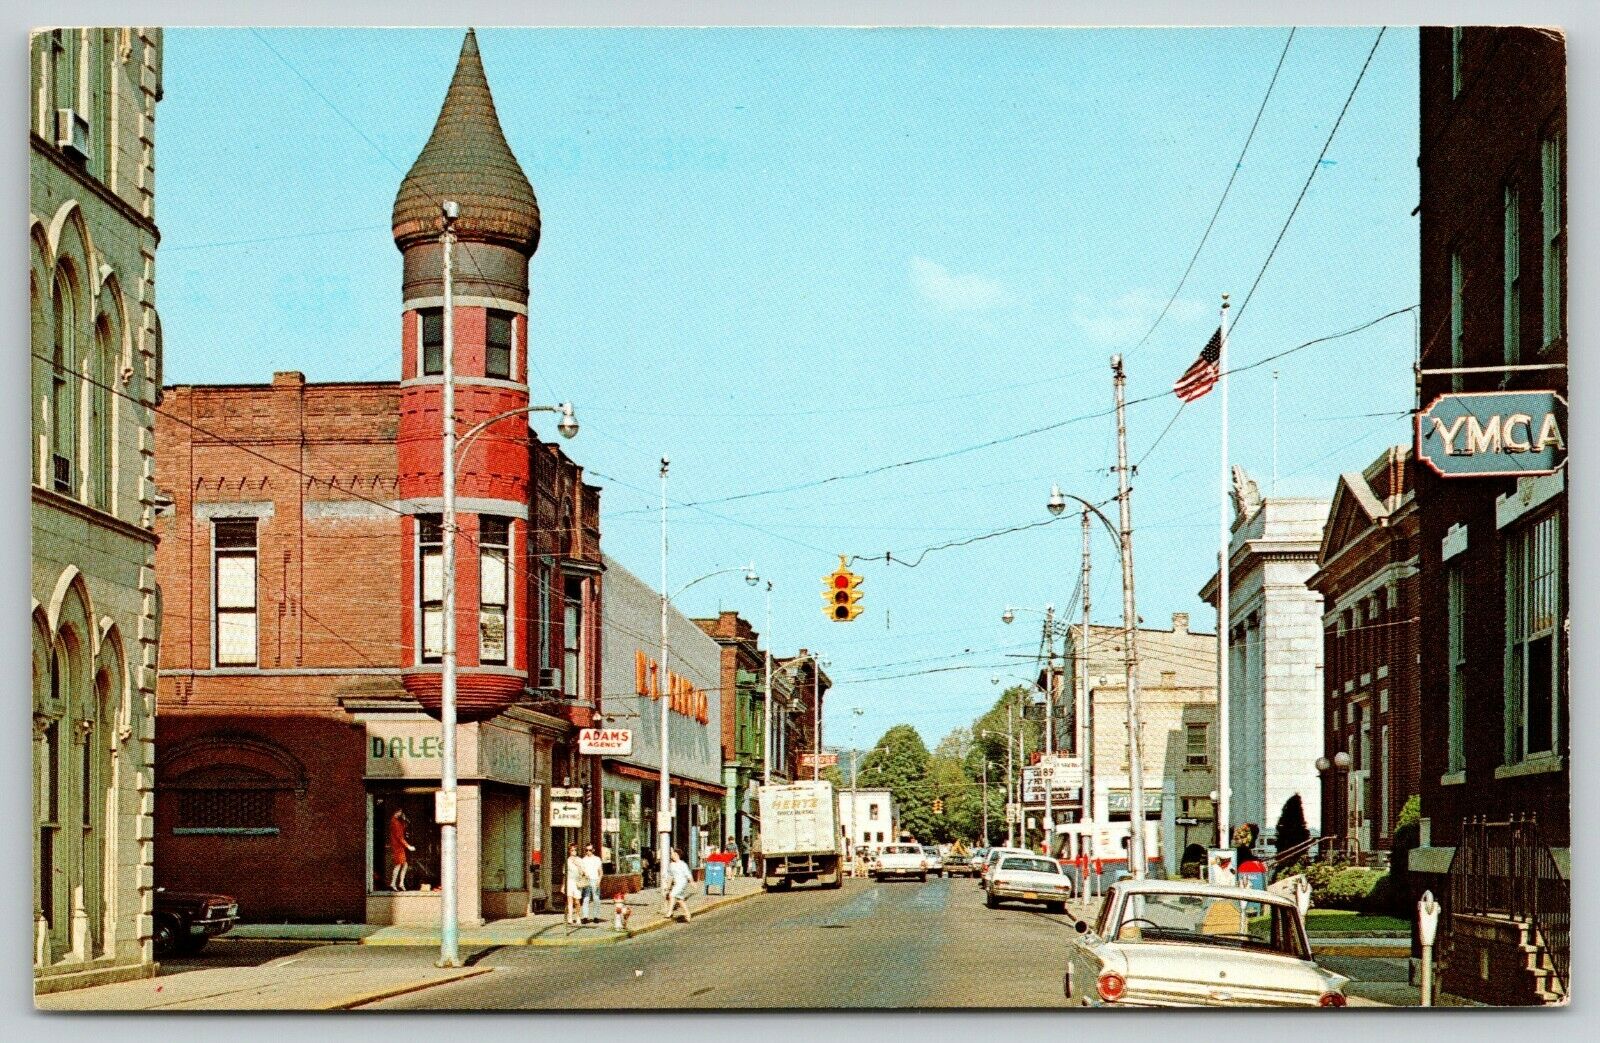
{"x": 766, "y": 725}
{"x": 1011, "y": 810}
{"x": 663, "y": 696}
{"x": 1049, "y": 727}
{"x": 985, "y": 801}
{"x": 1130, "y": 653}
{"x": 445, "y": 812}
{"x": 1085, "y": 708}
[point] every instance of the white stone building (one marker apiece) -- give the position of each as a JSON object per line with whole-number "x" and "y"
{"x": 867, "y": 817}
{"x": 95, "y": 368}
{"x": 1275, "y": 655}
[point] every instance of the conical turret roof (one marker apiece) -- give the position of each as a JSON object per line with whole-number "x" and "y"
{"x": 467, "y": 160}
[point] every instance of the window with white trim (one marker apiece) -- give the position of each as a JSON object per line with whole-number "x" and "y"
{"x": 572, "y": 640}
{"x": 1195, "y": 752}
{"x": 431, "y": 322}
{"x": 1456, "y": 663}
{"x": 1533, "y": 607}
{"x": 64, "y": 387}
{"x": 497, "y": 345}
{"x": 430, "y": 586}
{"x": 494, "y": 604}
{"x": 1551, "y": 204}
{"x": 234, "y": 552}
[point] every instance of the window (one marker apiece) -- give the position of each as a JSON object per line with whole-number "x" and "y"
{"x": 430, "y": 589}
{"x": 572, "y": 641}
{"x": 1456, "y": 609}
{"x": 1195, "y": 754}
{"x": 432, "y": 341}
{"x": 872, "y": 812}
{"x": 1554, "y": 234}
{"x": 497, "y": 348}
{"x": 494, "y": 553}
{"x": 63, "y": 70}
{"x": 233, "y": 542}
{"x": 64, "y": 388}
{"x": 104, "y": 372}
{"x": 1512, "y": 304}
{"x": 405, "y": 841}
{"x": 1455, "y": 61}
{"x": 1458, "y": 344}
{"x": 226, "y": 811}
{"x": 1532, "y": 606}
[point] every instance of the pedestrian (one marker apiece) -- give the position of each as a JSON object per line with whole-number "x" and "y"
{"x": 593, "y": 870}
{"x": 680, "y": 878}
{"x": 572, "y": 884}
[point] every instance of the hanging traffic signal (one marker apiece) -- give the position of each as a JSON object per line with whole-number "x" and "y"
{"x": 938, "y": 806}
{"x": 841, "y": 594}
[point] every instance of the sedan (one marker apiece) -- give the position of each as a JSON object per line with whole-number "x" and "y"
{"x": 1029, "y": 878}
{"x": 1183, "y": 943}
{"x": 185, "y": 920}
{"x": 993, "y": 856}
{"x": 935, "y": 860}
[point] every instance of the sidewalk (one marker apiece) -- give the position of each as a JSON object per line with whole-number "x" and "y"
{"x": 539, "y": 929}
{"x": 271, "y": 986}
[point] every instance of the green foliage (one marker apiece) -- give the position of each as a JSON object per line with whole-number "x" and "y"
{"x": 1336, "y": 885}
{"x": 899, "y": 763}
{"x": 1292, "y": 831}
{"x": 1393, "y": 896}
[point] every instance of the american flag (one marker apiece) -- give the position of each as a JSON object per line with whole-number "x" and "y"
{"x": 1200, "y": 377}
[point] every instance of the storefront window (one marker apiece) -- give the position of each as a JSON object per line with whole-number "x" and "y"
{"x": 404, "y": 839}
{"x": 504, "y": 838}
{"x": 624, "y": 832}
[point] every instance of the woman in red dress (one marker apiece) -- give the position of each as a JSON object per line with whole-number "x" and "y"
{"x": 398, "y": 847}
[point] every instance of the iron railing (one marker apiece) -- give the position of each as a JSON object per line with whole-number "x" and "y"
{"x": 1505, "y": 869}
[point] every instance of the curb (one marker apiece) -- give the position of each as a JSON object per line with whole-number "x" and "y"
{"x": 404, "y": 990}
{"x": 727, "y": 901}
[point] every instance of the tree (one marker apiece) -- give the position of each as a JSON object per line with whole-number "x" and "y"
{"x": 1292, "y": 830}
{"x": 948, "y": 782}
{"x": 899, "y": 763}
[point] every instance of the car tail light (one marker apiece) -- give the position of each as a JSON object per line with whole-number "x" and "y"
{"x": 1331, "y": 999}
{"x": 1112, "y": 987}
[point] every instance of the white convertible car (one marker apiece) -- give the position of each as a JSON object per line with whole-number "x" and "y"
{"x": 1183, "y": 943}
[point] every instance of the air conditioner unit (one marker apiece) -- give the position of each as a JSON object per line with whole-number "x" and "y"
{"x": 550, "y": 678}
{"x": 72, "y": 133}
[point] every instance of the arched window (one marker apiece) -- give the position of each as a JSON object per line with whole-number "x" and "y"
{"x": 52, "y": 895}
{"x": 64, "y": 386}
{"x": 102, "y": 372}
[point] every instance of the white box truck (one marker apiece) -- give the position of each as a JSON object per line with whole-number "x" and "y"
{"x": 800, "y": 838}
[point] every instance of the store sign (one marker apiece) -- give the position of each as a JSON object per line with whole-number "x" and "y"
{"x": 1493, "y": 434}
{"x": 605, "y": 742}
{"x": 1119, "y": 802}
{"x": 818, "y": 760}
{"x": 566, "y": 792}
{"x": 566, "y": 814}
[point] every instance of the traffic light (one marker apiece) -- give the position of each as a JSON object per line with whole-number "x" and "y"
{"x": 938, "y": 806}
{"x": 841, "y": 594}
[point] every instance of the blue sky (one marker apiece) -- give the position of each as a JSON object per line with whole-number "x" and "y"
{"x": 782, "y": 255}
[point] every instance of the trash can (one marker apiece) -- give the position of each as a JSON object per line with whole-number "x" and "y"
{"x": 717, "y": 876}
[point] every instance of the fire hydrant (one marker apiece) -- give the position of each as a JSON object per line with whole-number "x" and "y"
{"x": 620, "y": 913}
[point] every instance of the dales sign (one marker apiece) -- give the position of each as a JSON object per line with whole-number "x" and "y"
{"x": 1493, "y": 434}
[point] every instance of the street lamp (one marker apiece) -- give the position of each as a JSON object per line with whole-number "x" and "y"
{"x": 1340, "y": 765}
{"x": 454, "y": 452}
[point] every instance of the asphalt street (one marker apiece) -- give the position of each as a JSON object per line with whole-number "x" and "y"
{"x": 931, "y": 945}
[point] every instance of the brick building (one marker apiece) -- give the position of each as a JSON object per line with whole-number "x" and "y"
{"x": 1275, "y": 655}
{"x": 1367, "y": 576}
{"x": 742, "y": 680}
{"x": 301, "y": 562}
{"x": 1495, "y": 742}
{"x": 95, "y": 608}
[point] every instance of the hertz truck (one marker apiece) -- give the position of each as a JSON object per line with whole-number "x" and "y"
{"x": 800, "y": 838}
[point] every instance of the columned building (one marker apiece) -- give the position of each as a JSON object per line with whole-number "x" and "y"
{"x": 1367, "y": 576}
{"x": 96, "y": 368}
{"x": 302, "y": 556}
{"x": 1275, "y": 700}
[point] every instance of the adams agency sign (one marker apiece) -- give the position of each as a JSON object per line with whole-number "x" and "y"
{"x": 1493, "y": 434}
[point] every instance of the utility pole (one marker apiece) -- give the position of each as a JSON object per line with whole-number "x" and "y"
{"x": 1224, "y": 615}
{"x": 1085, "y": 707}
{"x": 766, "y": 724}
{"x": 663, "y": 696}
{"x": 1049, "y": 726}
{"x": 445, "y": 809}
{"x": 816, "y": 722}
{"x": 1012, "y": 811}
{"x": 986, "y": 801}
{"x": 1130, "y": 629}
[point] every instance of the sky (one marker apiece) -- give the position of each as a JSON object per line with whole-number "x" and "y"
{"x": 786, "y": 256}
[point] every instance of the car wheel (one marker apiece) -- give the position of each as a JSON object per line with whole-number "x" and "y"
{"x": 166, "y": 935}
{"x": 193, "y": 944}
{"x": 1057, "y": 907}
{"x": 991, "y": 901}
{"x": 922, "y": 879}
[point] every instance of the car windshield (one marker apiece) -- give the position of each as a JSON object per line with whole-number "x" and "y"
{"x": 901, "y": 849}
{"x": 1031, "y": 865}
{"x": 930, "y": 851}
{"x": 1211, "y": 920}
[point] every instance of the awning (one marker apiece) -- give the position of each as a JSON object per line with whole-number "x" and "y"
{"x": 646, "y": 775}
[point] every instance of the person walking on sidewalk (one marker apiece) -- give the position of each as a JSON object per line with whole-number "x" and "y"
{"x": 572, "y": 883}
{"x": 680, "y": 880}
{"x": 593, "y": 870}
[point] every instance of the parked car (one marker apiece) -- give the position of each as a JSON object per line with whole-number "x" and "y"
{"x": 1182, "y": 943}
{"x": 186, "y": 920}
{"x": 1028, "y": 878}
{"x": 958, "y": 864}
{"x": 900, "y": 860}
{"x": 994, "y": 855}
{"x": 935, "y": 860}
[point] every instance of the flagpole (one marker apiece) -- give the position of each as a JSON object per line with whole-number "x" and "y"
{"x": 1224, "y": 774}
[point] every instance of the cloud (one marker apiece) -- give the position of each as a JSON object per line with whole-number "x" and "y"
{"x": 1121, "y": 321}
{"x": 951, "y": 292}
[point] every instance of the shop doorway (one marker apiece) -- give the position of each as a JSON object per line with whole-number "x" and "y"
{"x": 505, "y": 852}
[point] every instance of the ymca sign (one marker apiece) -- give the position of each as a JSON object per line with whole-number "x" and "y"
{"x": 1493, "y": 434}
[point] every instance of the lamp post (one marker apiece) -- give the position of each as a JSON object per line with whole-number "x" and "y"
{"x": 855, "y": 760}
{"x": 1048, "y": 691}
{"x": 1340, "y": 767}
{"x": 445, "y": 803}
{"x": 663, "y": 688}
